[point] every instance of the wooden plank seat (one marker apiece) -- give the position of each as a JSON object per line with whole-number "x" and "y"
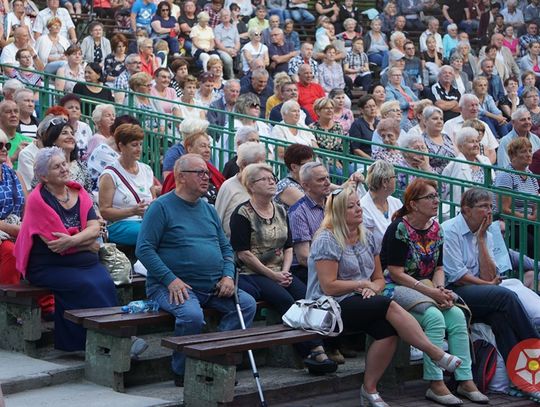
{"x": 211, "y": 359}
{"x": 21, "y": 324}
{"x": 108, "y": 339}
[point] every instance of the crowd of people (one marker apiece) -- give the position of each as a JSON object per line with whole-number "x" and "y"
{"x": 75, "y": 173}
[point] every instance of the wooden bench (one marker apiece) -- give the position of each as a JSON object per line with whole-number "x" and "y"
{"x": 211, "y": 359}
{"x": 108, "y": 340}
{"x": 20, "y": 315}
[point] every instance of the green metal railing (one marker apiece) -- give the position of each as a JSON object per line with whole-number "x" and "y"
{"x": 162, "y": 131}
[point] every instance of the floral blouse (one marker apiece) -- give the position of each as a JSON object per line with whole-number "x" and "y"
{"x": 420, "y": 252}
{"x": 327, "y": 140}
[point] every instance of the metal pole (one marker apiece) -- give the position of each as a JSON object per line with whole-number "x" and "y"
{"x": 250, "y": 352}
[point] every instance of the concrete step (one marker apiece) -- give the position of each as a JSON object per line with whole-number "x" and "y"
{"x": 19, "y": 373}
{"x": 81, "y": 393}
{"x": 280, "y": 385}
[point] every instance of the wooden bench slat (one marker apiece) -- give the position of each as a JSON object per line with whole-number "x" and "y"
{"x": 22, "y": 290}
{"x": 78, "y": 315}
{"x": 121, "y": 320}
{"x": 252, "y": 342}
{"x": 178, "y": 343}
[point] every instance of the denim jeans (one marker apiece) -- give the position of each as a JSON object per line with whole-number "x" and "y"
{"x": 500, "y": 308}
{"x": 301, "y": 15}
{"x": 283, "y": 14}
{"x": 190, "y": 318}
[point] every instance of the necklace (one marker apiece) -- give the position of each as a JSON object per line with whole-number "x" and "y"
{"x": 61, "y": 200}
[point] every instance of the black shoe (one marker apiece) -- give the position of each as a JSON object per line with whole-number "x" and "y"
{"x": 179, "y": 380}
{"x": 316, "y": 367}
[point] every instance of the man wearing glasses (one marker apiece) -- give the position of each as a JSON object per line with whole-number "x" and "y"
{"x": 189, "y": 259}
{"x": 471, "y": 272}
{"x": 133, "y": 65}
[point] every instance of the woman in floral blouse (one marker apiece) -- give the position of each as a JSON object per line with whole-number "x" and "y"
{"x": 411, "y": 256}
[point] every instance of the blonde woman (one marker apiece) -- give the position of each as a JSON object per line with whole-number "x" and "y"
{"x": 202, "y": 38}
{"x": 339, "y": 246}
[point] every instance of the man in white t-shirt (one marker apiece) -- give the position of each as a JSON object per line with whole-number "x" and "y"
{"x": 469, "y": 106}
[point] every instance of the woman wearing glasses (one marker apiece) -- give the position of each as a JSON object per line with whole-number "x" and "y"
{"x": 95, "y": 47}
{"x": 411, "y": 256}
{"x": 12, "y": 199}
{"x": 261, "y": 239}
{"x": 202, "y": 39}
{"x": 126, "y": 187}
{"x": 141, "y": 83}
{"x": 165, "y": 27}
{"x": 339, "y": 247}
{"x": 254, "y": 49}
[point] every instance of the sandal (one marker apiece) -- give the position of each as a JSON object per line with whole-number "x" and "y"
{"x": 448, "y": 362}
{"x": 316, "y": 367}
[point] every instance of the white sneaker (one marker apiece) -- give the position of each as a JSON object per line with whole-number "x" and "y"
{"x": 416, "y": 354}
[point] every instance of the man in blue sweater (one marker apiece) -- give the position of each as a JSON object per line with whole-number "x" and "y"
{"x": 189, "y": 259}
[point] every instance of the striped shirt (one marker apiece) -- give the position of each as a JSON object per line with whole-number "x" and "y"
{"x": 514, "y": 182}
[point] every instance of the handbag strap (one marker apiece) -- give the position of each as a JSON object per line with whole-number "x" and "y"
{"x": 125, "y": 181}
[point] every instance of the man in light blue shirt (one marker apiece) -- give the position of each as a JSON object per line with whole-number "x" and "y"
{"x": 521, "y": 120}
{"x": 471, "y": 272}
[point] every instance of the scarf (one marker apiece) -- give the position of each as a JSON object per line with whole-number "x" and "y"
{"x": 41, "y": 219}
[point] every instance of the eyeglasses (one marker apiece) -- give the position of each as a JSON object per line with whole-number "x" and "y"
{"x": 6, "y": 145}
{"x": 136, "y": 63}
{"x": 272, "y": 179}
{"x": 165, "y": 9}
{"x": 200, "y": 173}
{"x": 431, "y": 197}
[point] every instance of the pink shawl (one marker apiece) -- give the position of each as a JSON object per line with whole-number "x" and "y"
{"x": 40, "y": 219}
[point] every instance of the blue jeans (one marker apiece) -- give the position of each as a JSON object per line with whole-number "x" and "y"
{"x": 301, "y": 15}
{"x": 190, "y": 318}
{"x": 500, "y": 308}
{"x": 379, "y": 58}
{"x": 282, "y": 13}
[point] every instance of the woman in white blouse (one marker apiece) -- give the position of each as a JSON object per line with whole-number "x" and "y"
{"x": 290, "y": 111}
{"x": 378, "y": 204}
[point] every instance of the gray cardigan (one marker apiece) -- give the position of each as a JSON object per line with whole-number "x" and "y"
{"x": 87, "y": 48}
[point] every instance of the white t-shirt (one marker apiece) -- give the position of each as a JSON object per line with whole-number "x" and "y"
{"x": 256, "y": 53}
{"x": 304, "y": 137}
{"x": 141, "y": 183}
{"x": 374, "y": 220}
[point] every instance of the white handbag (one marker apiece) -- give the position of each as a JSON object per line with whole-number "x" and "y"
{"x": 321, "y": 316}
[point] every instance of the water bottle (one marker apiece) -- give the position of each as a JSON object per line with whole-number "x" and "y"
{"x": 135, "y": 307}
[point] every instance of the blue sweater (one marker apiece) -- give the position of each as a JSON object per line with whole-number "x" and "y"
{"x": 185, "y": 240}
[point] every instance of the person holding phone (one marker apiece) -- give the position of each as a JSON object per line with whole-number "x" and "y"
{"x": 126, "y": 187}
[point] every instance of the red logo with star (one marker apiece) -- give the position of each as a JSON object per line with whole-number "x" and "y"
{"x": 523, "y": 365}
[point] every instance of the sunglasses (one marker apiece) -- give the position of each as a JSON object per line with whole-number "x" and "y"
{"x": 336, "y": 192}
{"x": 255, "y": 106}
{"x": 6, "y": 145}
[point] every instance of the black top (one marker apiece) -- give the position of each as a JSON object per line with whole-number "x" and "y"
{"x": 82, "y": 90}
{"x": 360, "y": 129}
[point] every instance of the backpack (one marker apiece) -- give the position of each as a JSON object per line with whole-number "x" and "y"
{"x": 485, "y": 364}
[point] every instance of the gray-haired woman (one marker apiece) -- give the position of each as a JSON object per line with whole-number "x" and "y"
{"x": 436, "y": 141}
{"x": 411, "y": 160}
{"x": 249, "y": 104}
{"x": 57, "y": 248}
{"x": 290, "y": 111}
{"x": 261, "y": 239}
{"x": 202, "y": 37}
{"x": 468, "y": 144}
{"x": 388, "y": 130}
{"x": 254, "y": 49}
{"x": 378, "y": 205}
